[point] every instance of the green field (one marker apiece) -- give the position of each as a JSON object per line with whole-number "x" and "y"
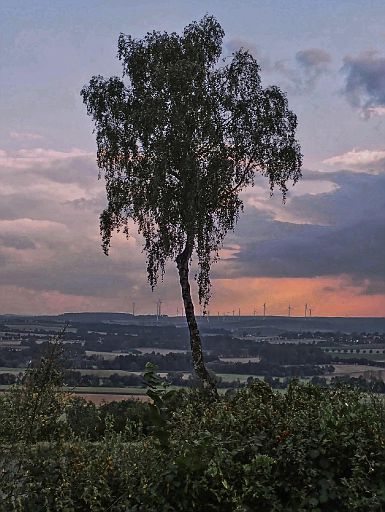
{"x": 370, "y": 357}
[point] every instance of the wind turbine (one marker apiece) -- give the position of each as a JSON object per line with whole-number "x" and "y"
{"x": 158, "y": 309}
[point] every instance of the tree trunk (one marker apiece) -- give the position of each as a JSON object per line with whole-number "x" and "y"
{"x": 200, "y": 369}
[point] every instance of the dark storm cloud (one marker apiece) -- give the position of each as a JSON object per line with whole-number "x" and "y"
{"x": 357, "y": 250}
{"x": 365, "y": 82}
{"x": 344, "y": 233}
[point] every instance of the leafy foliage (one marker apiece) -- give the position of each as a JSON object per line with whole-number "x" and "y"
{"x": 33, "y": 410}
{"x": 180, "y": 135}
{"x": 311, "y": 449}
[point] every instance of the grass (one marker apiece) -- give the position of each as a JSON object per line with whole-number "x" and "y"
{"x": 370, "y": 357}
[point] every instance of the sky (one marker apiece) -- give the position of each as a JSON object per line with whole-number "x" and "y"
{"x": 325, "y": 247}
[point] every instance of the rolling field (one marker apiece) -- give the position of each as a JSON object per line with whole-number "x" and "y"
{"x": 357, "y": 370}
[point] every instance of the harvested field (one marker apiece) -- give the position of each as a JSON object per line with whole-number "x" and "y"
{"x": 162, "y": 351}
{"x": 357, "y": 370}
{"x": 99, "y": 398}
{"x": 240, "y": 359}
{"x": 107, "y": 355}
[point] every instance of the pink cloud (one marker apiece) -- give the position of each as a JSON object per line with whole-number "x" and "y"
{"x": 24, "y": 158}
{"x": 366, "y": 160}
{"x": 25, "y": 136}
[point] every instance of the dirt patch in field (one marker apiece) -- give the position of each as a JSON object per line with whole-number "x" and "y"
{"x": 357, "y": 370}
{"x": 240, "y": 359}
{"x": 99, "y": 398}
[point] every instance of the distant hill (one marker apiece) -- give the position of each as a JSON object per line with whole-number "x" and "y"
{"x": 95, "y": 317}
{"x": 276, "y": 324}
{"x": 269, "y": 325}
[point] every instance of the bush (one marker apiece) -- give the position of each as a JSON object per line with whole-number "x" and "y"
{"x": 310, "y": 449}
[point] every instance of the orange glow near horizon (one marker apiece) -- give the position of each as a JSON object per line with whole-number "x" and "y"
{"x": 326, "y": 296}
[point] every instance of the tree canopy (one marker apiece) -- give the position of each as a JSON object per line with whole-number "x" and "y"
{"x": 180, "y": 135}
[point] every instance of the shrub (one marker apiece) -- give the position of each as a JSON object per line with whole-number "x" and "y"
{"x": 310, "y": 449}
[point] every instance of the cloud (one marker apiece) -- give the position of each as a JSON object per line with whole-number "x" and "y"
{"x": 343, "y": 233}
{"x": 303, "y": 75}
{"x": 26, "y": 158}
{"x": 314, "y": 62}
{"x": 16, "y": 241}
{"x": 237, "y": 43}
{"x": 50, "y": 202}
{"x": 370, "y": 161}
{"x": 376, "y": 111}
{"x": 313, "y": 58}
{"x": 25, "y": 136}
{"x": 365, "y": 83}
{"x": 50, "y": 242}
{"x": 312, "y": 184}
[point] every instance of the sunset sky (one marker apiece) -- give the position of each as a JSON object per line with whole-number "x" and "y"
{"x": 324, "y": 247}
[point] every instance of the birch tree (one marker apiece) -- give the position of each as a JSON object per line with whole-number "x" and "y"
{"x": 179, "y": 136}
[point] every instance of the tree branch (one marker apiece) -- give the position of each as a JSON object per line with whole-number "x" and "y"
{"x": 241, "y": 181}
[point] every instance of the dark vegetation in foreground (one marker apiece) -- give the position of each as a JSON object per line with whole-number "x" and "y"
{"x": 310, "y": 449}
